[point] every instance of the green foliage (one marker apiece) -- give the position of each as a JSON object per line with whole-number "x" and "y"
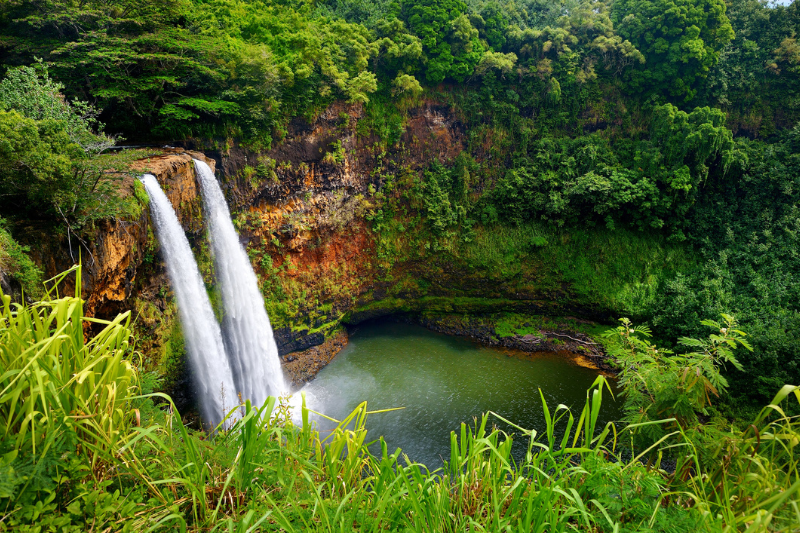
{"x": 684, "y": 145}
{"x": 753, "y": 80}
{"x": 173, "y": 361}
{"x": 336, "y": 155}
{"x": 367, "y": 12}
{"x": 384, "y": 121}
{"x": 747, "y": 479}
{"x": 522, "y": 13}
{"x": 494, "y": 25}
{"x": 230, "y": 67}
{"x": 444, "y": 197}
{"x": 16, "y": 264}
{"x": 140, "y": 193}
{"x": 501, "y": 250}
{"x": 36, "y": 96}
{"x": 752, "y": 477}
{"x": 566, "y": 154}
{"x": 565, "y": 180}
{"x": 449, "y": 40}
{"x": 659, "y": 384}
{"x": 743, "y": 229}
{"x": 575, "y": 47}
{"x": 50, "y": 166}
{"x": 65, "y": 409}
{"x": 398, "y": 51}
{"x": 56, "y": 384}
{"x": 681, "y": 41}
{"x": 331, "y": 58}
{"x": 101, "y": 463}
{"x": 618, "y": 270}
{"x": 37, "y": 159}
{"x": 406, "y": 84}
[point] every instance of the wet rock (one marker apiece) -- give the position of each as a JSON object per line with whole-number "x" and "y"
{"x": 291, "y": 341}
{"x": 301, "y": 367}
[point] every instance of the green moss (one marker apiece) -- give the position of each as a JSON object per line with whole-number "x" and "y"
{"x": 326, "y": 328}
{"x": 123, "y": 159}
{"x": 336, "y": 154}
{"x": 618, "y": 270}
{"x": 510, "y": 325}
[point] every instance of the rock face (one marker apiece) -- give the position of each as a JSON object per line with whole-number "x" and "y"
{"x": 304, "y": 208}
{"x": 122, "y": 270}
{"x": 5, "y": 286}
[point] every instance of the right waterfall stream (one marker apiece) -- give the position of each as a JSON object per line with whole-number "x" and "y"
{"x": 246, "y": 328}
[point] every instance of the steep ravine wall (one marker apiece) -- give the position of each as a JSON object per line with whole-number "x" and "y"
{"x": 303, "y": 210}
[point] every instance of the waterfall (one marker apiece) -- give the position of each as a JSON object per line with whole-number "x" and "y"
{"x": 210, "y": 366}
{"x": 246, "y": 327}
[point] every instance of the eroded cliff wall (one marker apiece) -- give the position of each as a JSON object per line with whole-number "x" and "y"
{"x": 304, "y": 210}
{"x": 311, "y": 212}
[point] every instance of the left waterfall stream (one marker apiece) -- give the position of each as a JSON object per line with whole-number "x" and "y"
{"x": 213, "y": 378}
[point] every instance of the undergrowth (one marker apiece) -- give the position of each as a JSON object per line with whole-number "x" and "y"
{"x": 620, "y": 269}
{"x": 16, "y": 264}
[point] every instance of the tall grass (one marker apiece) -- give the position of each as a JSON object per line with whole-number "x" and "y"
{"x": 750, "y": 478}
{"x": 54, "y": 382}
{"x": 285, "y": 477}
{"x": 71, "y": 403}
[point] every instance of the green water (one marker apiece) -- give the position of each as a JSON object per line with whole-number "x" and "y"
{"x": 442, "y": 381}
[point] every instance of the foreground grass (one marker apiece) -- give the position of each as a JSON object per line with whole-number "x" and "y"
{"x": 84, "y": 450}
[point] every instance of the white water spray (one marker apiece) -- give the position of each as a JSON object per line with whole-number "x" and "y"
{"x": 212, "y": 372}
{"x": 246, "y": 328}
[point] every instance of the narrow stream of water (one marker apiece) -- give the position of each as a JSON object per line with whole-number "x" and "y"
{"x": 443, "y": 381}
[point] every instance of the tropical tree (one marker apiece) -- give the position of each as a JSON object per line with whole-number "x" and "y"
{"x": 659, "y": 384}
{"x": 451, "y": 44}
{"x": 49, "y": 154}
{"x": 680, "y": 39}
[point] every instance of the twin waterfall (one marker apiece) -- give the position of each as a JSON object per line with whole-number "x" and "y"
{"x": 239, "y": 362}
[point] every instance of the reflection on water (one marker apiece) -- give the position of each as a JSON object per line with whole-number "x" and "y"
{"x": 442, "y": 381}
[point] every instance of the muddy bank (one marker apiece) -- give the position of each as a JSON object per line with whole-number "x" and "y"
{"x": 537, "y": 334}
{"x": 301, "y": 367}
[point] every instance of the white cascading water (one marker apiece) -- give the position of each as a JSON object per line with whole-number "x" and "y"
{"x": 213, "y": 378}
{"x": 246, "y": 328}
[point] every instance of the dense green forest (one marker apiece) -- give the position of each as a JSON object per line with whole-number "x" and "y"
{"x": 675, "y": 123}
{"x": 677, "y": 120}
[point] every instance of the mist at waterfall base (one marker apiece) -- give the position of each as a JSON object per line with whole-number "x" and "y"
{"x": 246, "y": 328}
{"x": 212, "y": 374}
{"x": 442, "y": 381}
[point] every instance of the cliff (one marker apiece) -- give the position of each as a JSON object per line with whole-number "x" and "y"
{"x": 309, "y": 213}
{"x": 114, "y": 253}
{"x": 304, "y": 207}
